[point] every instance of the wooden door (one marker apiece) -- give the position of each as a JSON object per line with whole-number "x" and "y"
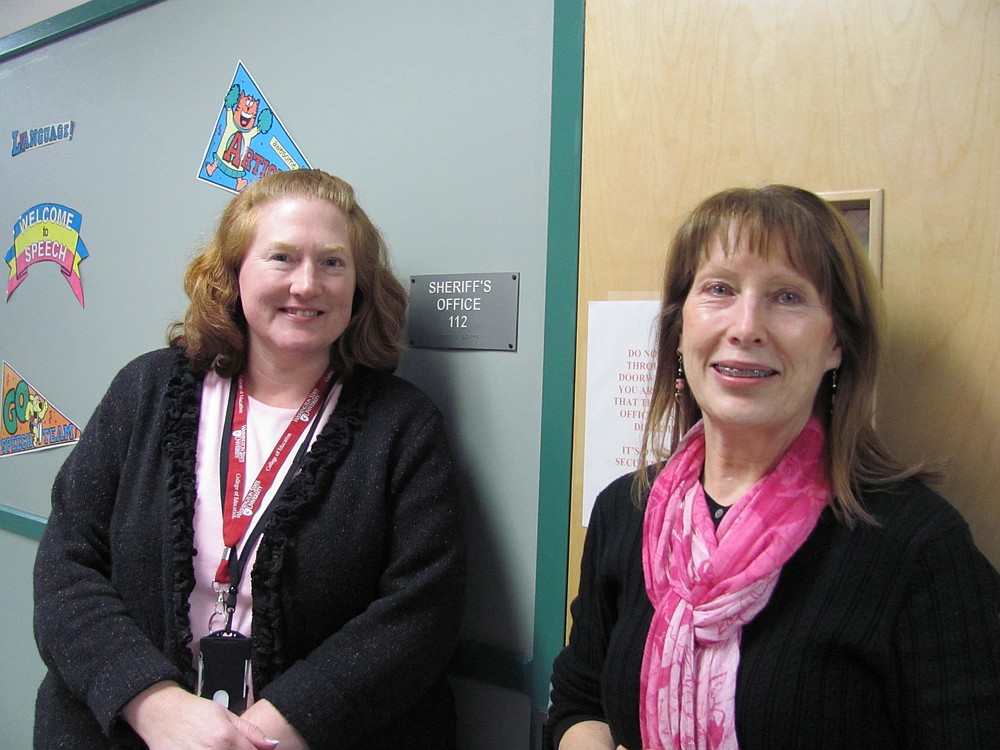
{"x": 686, "y": 97}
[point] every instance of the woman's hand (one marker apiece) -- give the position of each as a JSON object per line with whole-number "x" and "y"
{"x": 264, "y": 715}
{"x": 168, "y": 717}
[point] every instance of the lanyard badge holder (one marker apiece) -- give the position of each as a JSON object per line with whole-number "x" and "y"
{"x": 224, "y": 669}
{"x": 224, "y": 656}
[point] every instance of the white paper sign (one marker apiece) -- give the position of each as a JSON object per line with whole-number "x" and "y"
{"x": 621, "y": 360}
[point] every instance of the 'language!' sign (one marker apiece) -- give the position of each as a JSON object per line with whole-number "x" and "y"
{"x": 464, "y": 311}
{"x": 26, "y": 140}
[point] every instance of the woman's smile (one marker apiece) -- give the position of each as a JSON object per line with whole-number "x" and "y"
{"x": 300, "y": 313}
{"x": 735, "y": 371}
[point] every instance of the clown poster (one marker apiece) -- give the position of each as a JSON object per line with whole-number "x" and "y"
{"x": 249, "y": 140}
{"x": 30, "y": 422}
{"x": 47, "y": 232}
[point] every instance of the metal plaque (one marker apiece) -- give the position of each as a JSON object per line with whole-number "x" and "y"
{"x": 464, "y": 311}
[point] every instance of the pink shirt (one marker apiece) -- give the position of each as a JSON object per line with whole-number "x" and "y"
{"x": 265, "y": 426}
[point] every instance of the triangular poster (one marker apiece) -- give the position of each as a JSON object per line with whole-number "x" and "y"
{"x": 30, "y": 422}
{"x": 249, "y": 140}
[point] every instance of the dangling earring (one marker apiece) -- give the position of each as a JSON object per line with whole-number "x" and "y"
{"x": 833, "y": 388}
{"x": 679, "y": 384}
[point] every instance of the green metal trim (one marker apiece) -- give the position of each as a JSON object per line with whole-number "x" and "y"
{"x": 64, "y": 24}
{"x": 21, "y": 522}
{"x": 560, "y": 345}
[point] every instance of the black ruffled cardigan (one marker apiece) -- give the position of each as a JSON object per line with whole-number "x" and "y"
{"x": 357, "y": 587}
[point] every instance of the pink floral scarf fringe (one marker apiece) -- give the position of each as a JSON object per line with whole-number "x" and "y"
{"x": 705, "y": 585}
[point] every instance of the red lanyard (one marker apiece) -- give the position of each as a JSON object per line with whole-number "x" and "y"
{"x": 238, "y": 505}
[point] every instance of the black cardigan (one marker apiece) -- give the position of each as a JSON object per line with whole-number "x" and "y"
{"x": 875, "y": 637}
{"x": 357, "y": 587}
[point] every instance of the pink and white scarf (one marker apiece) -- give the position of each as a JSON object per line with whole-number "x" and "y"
{"x": 706, "y": 584}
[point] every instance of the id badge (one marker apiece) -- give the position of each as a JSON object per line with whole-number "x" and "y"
{"x": 224, "y": 669}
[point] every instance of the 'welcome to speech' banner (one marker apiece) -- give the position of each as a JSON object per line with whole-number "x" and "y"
{"x": 47, "y": 232}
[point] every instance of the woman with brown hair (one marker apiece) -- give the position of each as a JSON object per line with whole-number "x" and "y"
{"x": 321, "y": 606}
{"x": 774, "y": 578}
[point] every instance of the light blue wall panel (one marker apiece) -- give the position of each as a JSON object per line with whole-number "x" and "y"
{"x": 438, "y": 112}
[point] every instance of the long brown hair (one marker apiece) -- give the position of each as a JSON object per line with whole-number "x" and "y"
{"x": 214, "y": 330}
{"x": 821, "y": 245}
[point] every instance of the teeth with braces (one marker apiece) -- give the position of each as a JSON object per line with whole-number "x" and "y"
{"x": 738, "y": 373}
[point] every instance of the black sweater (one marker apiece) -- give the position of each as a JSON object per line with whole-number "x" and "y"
{"x": 357, "y": 587}
{"x": 875, "y": 637}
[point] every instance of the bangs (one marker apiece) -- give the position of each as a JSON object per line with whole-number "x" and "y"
{"x": 767, "y": 226}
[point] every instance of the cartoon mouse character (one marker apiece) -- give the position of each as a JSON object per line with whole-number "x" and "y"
{"x": 34, "y": 412}
{"x": 243, "y": 123}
